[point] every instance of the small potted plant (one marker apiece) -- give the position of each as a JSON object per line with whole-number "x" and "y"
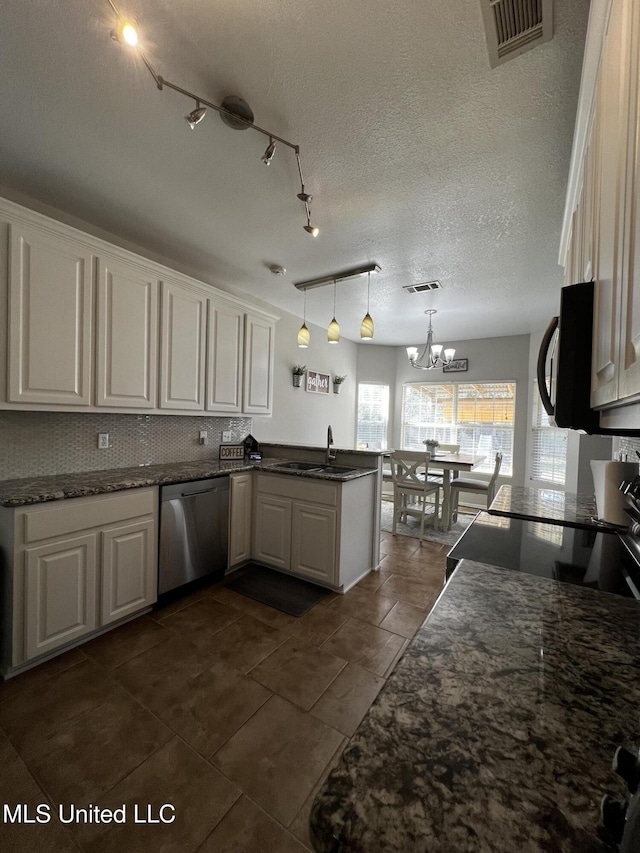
{"x": 337, "y": 383}
{"x": 298, "y": 372}
{"x": 432, "y": 445}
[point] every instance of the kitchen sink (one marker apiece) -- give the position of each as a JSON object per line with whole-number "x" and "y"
{"x": 299, "y": 466}
{"x": 336, "y": 469}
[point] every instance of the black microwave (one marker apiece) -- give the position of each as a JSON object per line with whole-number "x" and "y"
{"x": 564, "y": 364}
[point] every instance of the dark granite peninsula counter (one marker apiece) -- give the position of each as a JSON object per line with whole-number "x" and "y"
{"x": 30, "y": 490}
{"x": 549, "y": 505}
{"x": 497, "y": 728}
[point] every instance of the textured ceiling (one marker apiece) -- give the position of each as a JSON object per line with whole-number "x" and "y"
{"x": 418, "y": 155}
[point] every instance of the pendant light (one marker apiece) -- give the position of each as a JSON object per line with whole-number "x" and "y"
{"x": 333, "y": 332}
{"x": 303, "y": 335}
{"x": 366, "y": 327}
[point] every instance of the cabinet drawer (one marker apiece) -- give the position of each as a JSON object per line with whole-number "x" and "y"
{"x": 299, "y": 488}
{"x": 68, "y": 516}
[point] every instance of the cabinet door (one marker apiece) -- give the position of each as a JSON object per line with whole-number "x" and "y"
{"x": 272, "y": 543}
{"x": 313, "y": 542}
{"x": 129, "y": 569}
{"x": 60, "y": 593}
{"x": 224, "y": 358}
{"x": 258, "y": 366}
{"x": 127, "y": 334}
{"x": 240, "y": 519}
{"x": 611, "y": 116}
{"x": 630, "y": 315}
{"x": 184, "y": 316}
{"x": 50, "y": 316}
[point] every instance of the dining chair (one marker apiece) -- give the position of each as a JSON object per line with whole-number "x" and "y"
{"x": 409, "y": 471}
{"x": 467, "y": 484}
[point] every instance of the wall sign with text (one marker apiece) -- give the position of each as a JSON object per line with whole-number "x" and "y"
{"x": 318, "y": 382}
{"x": 458, "y": 365}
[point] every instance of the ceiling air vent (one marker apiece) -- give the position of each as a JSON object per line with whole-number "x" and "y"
{"x": 514, "y": 26}
{"x": 420, "y": 288}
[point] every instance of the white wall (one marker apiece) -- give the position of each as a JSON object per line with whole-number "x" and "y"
{"x": 301, "y": 417}
{"x": 490, "y": 360}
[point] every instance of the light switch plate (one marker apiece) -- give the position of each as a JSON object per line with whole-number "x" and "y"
{"x": 226, "y": 435}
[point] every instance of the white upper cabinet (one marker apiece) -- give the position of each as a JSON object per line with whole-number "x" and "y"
{"x": 225, "y": 333}
{"x": 184, "y": 323}
{"x": 610, "y": 129}
{"x": 50, "y": 318}
{"x": 630, "y": 315}
{"x": 93, "y": 327}
{"x": 258, "y": 365}
{"x": 127, "y": 336}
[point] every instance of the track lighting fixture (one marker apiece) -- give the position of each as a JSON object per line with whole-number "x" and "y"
{"x": 267, "y": 157}
{"x": 303, "y": 334}
{"x": 234, "y": 111}
{"x": 195, "y": 116}
{"x": 333, "y": 332}
{"x": 366, "y": 327}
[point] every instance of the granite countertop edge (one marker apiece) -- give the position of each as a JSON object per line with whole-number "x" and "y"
{"x": 34, "y": 490}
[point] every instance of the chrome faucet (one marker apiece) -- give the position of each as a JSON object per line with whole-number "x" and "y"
{"x": 330, "y": 457}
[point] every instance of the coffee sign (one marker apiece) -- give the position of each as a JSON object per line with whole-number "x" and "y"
{"x": 318, "y": 382}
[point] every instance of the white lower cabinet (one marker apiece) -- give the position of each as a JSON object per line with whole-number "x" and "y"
{"x": 313, "y": 542}
{"x": 60, "y": 593}
{"x": 319, "y": 530}
{"x": 273, "y": 531}
{"x": 240, "y": 518}
{"x": 129, "y": 569}
{"x": 74, "y": 567}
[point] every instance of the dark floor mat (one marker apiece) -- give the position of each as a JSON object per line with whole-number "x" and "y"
{"x": 288, "y": 594}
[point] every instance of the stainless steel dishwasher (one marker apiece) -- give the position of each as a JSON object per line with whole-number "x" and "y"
{"x": 194, "y": 531}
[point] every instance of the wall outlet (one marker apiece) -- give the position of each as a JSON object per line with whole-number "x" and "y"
{"x": 226, "y": 436}
{"x": 103, "y": 440}
{"x": 202, "y": 436}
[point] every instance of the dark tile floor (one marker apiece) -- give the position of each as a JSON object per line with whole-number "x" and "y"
{"x": 228, "y": 710}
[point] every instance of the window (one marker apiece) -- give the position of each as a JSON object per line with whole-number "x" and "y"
{"x": 478, "y": 416}
{"x": 373, "y": 416}
{"x": 549, "y": 446}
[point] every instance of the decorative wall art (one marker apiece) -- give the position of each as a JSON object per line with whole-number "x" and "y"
{"x": 318, "y": 383}
{"x": 458, "y": 365}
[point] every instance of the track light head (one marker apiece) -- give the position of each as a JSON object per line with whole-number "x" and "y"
{"x": 305, "y": 197}
{"x": 195, "y": 117}
{"x": 311, "y": 230}
{"x": 125, "y": 33}
{"x": 267, "y": 157}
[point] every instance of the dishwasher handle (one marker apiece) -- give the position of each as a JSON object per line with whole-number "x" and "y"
{"x": 194, "y": 487}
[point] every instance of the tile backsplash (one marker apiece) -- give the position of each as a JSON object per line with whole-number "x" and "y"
{"x": 629, "y": 446}
{"x": 39, "y": 443}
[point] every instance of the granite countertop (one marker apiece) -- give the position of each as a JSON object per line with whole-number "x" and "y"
{"x": 549, "y": 505}
{"x": 31, "y": 490}
{"x": 497, "y": 728}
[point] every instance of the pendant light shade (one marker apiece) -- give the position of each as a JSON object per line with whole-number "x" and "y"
{"x": 333, "y": 332}
{"x": 303, "y": 335}
{"x": 366, "y": 327}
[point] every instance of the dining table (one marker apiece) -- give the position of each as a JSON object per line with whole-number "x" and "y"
{"x": 451, "y": 465}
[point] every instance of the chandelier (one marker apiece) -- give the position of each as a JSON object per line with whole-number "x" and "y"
{"x": 432, "y": 355}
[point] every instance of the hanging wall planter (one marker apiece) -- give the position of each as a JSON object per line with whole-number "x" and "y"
{"x": 298, "y": 372}
{"x": 337, "y": 383}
